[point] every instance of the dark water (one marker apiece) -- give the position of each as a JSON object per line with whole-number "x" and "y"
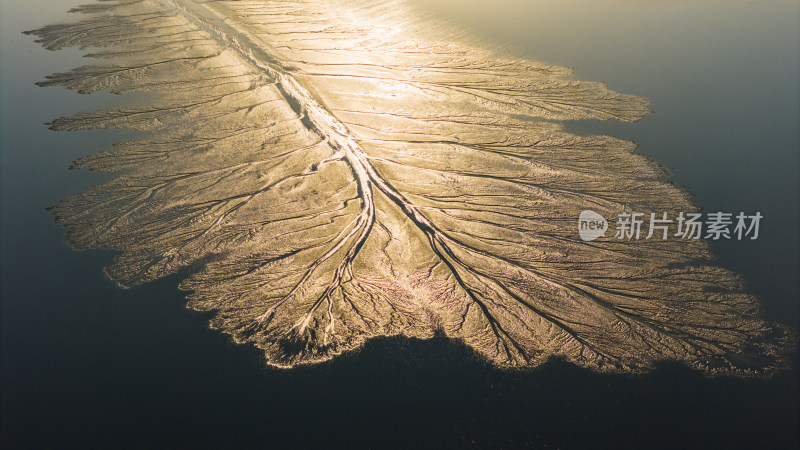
{"x": 88, "y": 365}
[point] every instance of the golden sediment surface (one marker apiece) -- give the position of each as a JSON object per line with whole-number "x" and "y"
{"x": 329, "y": 173}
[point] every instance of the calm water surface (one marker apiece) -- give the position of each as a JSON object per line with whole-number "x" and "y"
{"x": 88, "y": 365}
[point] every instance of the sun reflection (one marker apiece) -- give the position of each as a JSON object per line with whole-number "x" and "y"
{"x": 328, "y": 175}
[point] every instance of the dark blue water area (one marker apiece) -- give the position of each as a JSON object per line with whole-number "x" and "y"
{"x": 86, "y": 364}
